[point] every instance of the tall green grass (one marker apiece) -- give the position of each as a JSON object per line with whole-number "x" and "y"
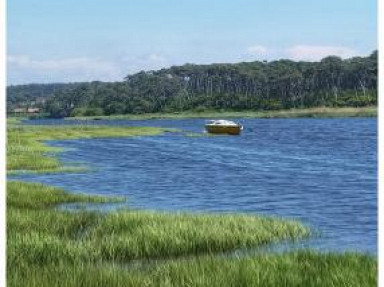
{"x": 297, "y": 269}
{"x": 34, "y": 229}
{"x": 26, "y": 149}
{"x": 48, "y": 247}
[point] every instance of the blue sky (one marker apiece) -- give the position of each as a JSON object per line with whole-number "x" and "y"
{"x": 85, "y": 40}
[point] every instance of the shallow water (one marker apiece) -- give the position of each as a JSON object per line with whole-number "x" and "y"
{"x": 320, "y": 171}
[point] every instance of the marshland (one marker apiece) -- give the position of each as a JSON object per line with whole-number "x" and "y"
{"x": 188, "y": 212}
{"x": 114, "y": 178}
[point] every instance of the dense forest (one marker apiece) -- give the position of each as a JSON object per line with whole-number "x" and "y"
{"x": 28, "y": 95}
{"x": 281, "y": 84}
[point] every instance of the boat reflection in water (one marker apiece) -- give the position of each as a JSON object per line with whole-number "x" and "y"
{"x": 223, "y": 127}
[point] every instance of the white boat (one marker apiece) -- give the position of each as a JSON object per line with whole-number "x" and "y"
{"x": 223, "y": 127}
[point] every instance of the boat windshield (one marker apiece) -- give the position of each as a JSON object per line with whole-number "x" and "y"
{"x": 222, "y": 123}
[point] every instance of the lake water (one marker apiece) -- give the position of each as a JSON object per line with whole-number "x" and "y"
{"x": 320, "y": 171}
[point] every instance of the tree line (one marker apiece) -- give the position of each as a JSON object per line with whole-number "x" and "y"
{"x": 281, "y": 84}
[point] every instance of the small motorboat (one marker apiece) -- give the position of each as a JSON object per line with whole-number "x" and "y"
{"x": 223, "y": 127}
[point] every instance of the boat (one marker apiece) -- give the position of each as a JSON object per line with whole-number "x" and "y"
{"x": 223, "y": 127}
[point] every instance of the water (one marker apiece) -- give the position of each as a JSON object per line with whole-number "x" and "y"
{"x": 320, "y": 171}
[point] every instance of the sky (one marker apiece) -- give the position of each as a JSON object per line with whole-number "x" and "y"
{"x": 88, "y": 40}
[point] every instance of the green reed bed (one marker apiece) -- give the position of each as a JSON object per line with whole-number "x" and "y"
{"x": 50, "y": 247}
{"x": 301, "y": 268}
{"x": 11, "y": 121}
{"x": 26, "y": 149}
{"x": 125, "y": 235}
{"x": 38, "y": 196}
{"x": 40, "y": 236}
{"x": 319, "y": 112}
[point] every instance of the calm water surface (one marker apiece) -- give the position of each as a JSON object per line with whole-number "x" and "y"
{"x": 320, "y": 171}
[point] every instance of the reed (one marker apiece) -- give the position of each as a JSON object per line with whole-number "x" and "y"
{"x": 302, "y": 268}
{"x": 35, "y": 228}
{"x": 319, "y": 112}
{"x": 48, "y": 247}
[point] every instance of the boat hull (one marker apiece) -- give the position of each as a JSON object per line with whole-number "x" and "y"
{"x": 230, "y": 130}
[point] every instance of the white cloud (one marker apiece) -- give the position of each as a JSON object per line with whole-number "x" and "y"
{"x": 69, "y": 69}
{"x": 144, "y": 62}
{"x": 24, "y": 69}
{"x": 156, "y": 58}
{"x": 257, "y": 50}
{"x": 315, "y": 53}
{"x": 18, "y": 60}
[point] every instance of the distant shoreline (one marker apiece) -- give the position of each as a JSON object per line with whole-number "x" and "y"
{"x": 319, "y": 112}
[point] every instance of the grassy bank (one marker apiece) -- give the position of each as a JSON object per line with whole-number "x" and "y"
{"x": 40, "y": 237}
{"x": 47, "y": 247}
{"x": 125, "y": 235}
{"x": 26, "y": 149}
{"x": 293, "y": 113}
{"x": 297, "y": 269}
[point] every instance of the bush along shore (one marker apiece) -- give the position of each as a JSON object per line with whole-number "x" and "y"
{"x": 321, "y": 112}
{"x": 51, "y": 247}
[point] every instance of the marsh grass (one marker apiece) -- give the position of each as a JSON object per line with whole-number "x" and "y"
{"x": 27, "y": 151}
{"x": 302, "y": 268}
{"x": 51, "y": 247}
{"x": 48, "y": 247}
{"x": 11, "y": 121}
{"x": 124, "y": 235}
{"x": 59, "y": 169}
{"x": 38, "y": 196}
{"x": 319, "y": 112}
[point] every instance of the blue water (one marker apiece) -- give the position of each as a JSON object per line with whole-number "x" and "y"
{"x": 320, "y": 171}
